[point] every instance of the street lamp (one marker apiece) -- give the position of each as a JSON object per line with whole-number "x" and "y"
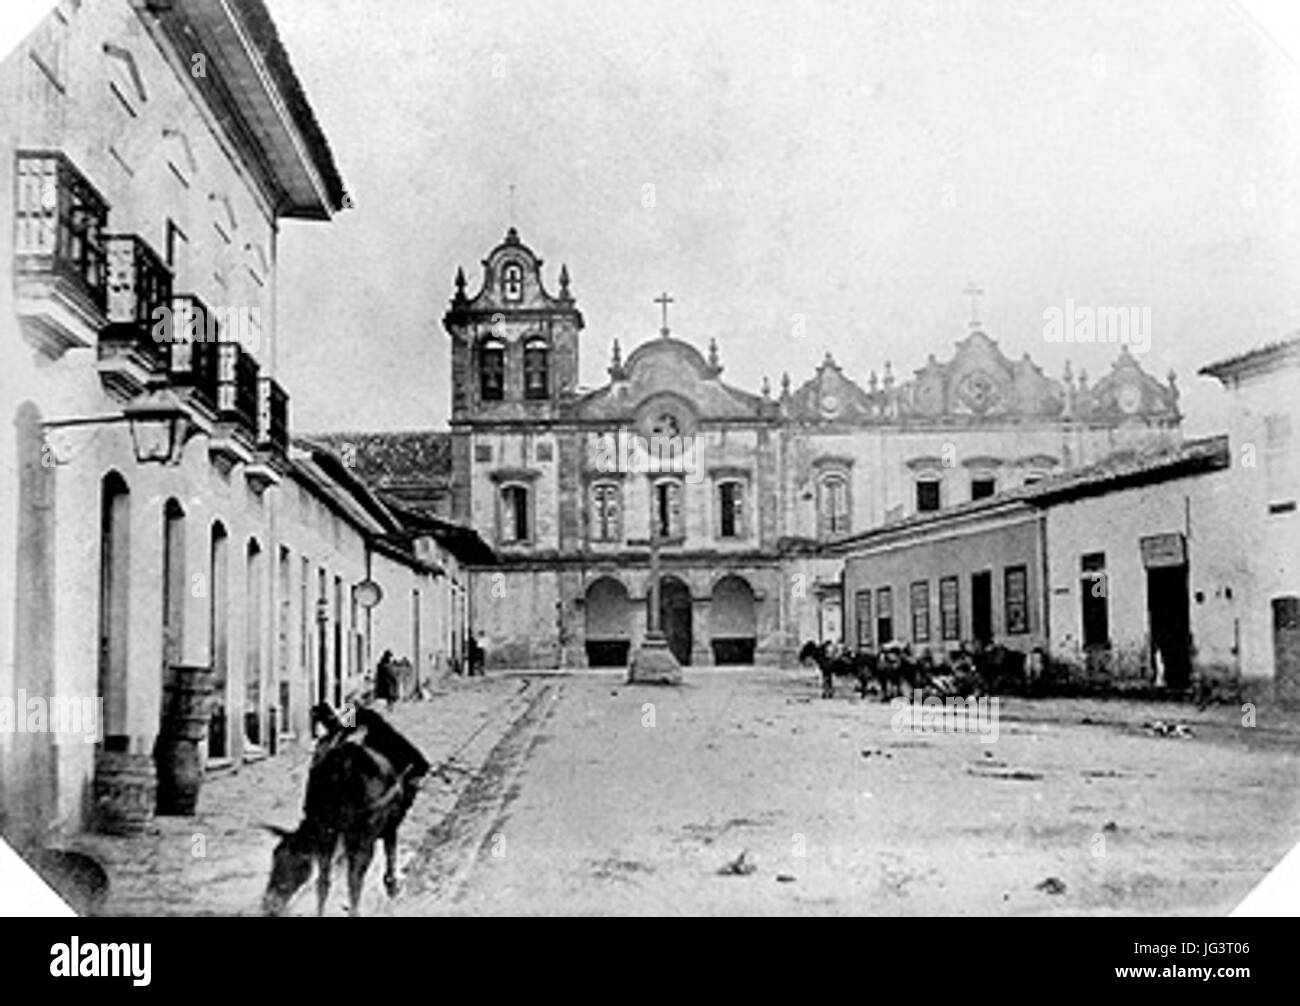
{"x": 159, "y": 425}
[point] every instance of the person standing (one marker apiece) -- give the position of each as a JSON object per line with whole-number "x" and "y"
{"x": 386, "y": 678}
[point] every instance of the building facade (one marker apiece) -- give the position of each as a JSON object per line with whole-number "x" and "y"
{"x": 567, "y": 484}
{"x": 156, "y": 510}
{"x": 1124, "y": 572}
{"x": 1264, "y": 385}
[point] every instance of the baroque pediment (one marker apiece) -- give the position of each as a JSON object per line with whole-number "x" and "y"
{"x": 1127, "y": 394}
{"x": 978, "y": 382}
{"x": 512, "y": 285}
{"x": 831, "y": 396}
{"x": 670, "y": 369}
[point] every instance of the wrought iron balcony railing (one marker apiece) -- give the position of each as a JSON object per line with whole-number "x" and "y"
{"x": 237, "y": 379}
{"x": 59, "y": 220}
{"x": 272, "y": 415}
{"x": 139, "y": 295}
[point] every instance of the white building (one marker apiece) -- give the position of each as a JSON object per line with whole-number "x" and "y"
{"x": 1129, "y": 572}
{"x": 154, "y": 509}
{"x": 1265, "y": 477}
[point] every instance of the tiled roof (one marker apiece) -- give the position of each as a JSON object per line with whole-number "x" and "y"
{"x": 263, "y": 31}
{"x": 1118, "y": 470}
{"x": 1124, "y": 468}
{"x": 463, "y": 542}
{"x": 1260, "y": 354}
{"x": 393, "y": 460}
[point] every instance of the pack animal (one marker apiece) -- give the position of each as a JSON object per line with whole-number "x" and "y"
{"x": 859, "y": 666}
{"x": 361, "y": 784}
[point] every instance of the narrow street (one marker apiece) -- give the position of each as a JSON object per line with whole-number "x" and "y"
{"x": 217, "y": 862}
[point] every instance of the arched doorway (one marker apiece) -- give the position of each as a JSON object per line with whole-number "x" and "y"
{"x": 219, "y": 640}
{"x": 173, "y": 588}
{"x": 608, "y": 623}
{"x": 253, "y": 721}
{"x": 732, "y": 621}
{"x": 675, "y": 617}
{"x": 114, "y": 606}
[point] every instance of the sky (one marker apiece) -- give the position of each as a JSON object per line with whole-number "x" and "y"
{"x": 802, "y": 177}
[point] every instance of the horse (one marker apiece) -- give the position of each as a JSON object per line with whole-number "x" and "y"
{"x": 896, "y": 667}
{"x": 355, "y": 795}
{"x": 846, "y": 665}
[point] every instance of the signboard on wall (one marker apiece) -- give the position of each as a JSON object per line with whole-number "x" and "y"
{"x": 1163, "y": 550}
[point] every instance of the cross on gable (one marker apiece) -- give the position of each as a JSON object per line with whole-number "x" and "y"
{"x": 663, "y": 300}
{"x": 974, "y": 293}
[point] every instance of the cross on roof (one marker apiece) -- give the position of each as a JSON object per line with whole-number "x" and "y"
{"x": 664, "y": 300}
{"x": 974, "y": 293}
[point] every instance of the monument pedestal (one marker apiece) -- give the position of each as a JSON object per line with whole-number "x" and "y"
{"x": 653, "y": 663}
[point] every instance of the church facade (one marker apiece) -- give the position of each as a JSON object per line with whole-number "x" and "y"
{"x": 741, "y": 491}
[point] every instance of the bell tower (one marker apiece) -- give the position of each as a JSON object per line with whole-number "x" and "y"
{"x": 514, "y": 345}
{"x": 514, "y": 366}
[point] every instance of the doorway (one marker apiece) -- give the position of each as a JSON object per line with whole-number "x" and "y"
{"x": 1286, "y": 649}
{"x": 981, "y": 607}
{"x": 218, "y": 640}
{"x": 675, "y": 617}
{"x": 1167, "y": 610}
{"x": 608, "y": 629}
{"x": 732, "y": 621}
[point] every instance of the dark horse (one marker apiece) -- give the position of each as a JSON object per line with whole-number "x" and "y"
{"x": 894, "y": 668}
{"x": 361, "y": 784}
{"x": 857, "y": 666}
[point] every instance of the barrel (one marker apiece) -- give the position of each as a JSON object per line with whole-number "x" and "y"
{"x": 180, "y": 775}
{"x": 187, "y": 702}
{"x": 125, "y": 792}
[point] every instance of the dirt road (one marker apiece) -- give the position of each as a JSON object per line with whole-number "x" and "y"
{"x": 628, "y": 800}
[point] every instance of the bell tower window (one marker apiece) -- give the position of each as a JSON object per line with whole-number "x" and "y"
{"x": 512, "y": 282}
{"x": 537, "y": 370}
{"x": 492, "y": 371}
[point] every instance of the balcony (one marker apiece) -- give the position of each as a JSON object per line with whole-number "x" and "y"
{"x": 60, "y": 287}
{"x": 272, "y": 415}
{"x": 192, "y": 322}
{"x": 237, "y": 385}
{"x": 222, "y": 377}
{"x": 192, "y": 360}
{"x": 139, "y": 286}
{"x": 272, "y": 435}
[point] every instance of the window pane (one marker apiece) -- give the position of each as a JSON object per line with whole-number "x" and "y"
{"x": 884, "y": 615}
{"x": 863, "y": 616}
{"x": 921, "y": 611}
{"x": 927, "y": 495}
{"x": 1017, "y": 599}
{"x": 949, "y": 613}
{"x": 727, "y": 499}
